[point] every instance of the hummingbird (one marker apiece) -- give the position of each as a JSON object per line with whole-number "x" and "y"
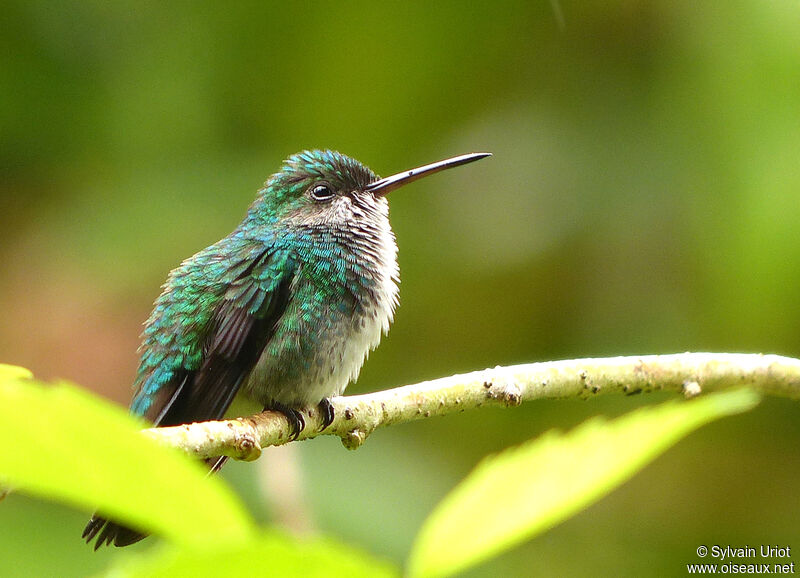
{"x": 283, "y": 311}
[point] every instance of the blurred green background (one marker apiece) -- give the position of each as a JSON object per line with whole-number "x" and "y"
{"x": 643, "y": 198}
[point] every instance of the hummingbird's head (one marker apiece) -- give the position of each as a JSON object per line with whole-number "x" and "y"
{"x": 328, "y": 188}
{"x": 319, "y": 187}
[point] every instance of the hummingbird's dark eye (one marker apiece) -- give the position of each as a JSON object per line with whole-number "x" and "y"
{"x": 322, "y": 192}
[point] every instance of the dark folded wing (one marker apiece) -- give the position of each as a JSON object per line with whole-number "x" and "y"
{"x": 244, "y": 322}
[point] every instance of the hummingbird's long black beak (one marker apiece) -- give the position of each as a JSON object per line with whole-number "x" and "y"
{"x": 385, "y": 185}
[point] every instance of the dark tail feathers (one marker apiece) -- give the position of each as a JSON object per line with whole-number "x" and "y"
{"x": 108, "y": 532}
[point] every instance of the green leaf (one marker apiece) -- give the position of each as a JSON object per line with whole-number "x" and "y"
{"x": 14, "y": 372}
{"x": 270, "y": 554}
{"x": 523, "y": 491}
{"x": 63, "y": 443}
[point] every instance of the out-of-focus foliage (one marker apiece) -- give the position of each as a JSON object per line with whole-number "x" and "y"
{"x": 642, "y": 198}
{"x": 526, "y": 490}
{"x": 63, "y": 444}
{"x": 81, "y": 450}
{"x": 102, "y": 461}
{"x": 271, "y": 554}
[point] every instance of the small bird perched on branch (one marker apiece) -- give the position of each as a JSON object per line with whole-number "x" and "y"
{"x": 282, "y": 311}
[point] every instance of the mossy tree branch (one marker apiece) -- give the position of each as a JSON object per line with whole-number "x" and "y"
{"x": 358, "y": 416}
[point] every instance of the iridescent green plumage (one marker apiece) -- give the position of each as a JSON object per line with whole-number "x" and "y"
{"x": 282, "y": 311}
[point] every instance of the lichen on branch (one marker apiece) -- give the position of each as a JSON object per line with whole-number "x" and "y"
{"x": 357, "y": 416}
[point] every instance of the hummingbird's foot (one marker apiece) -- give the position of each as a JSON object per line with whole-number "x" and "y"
{"x": 326, "y": 410}
{"x": 296, "y": 421}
